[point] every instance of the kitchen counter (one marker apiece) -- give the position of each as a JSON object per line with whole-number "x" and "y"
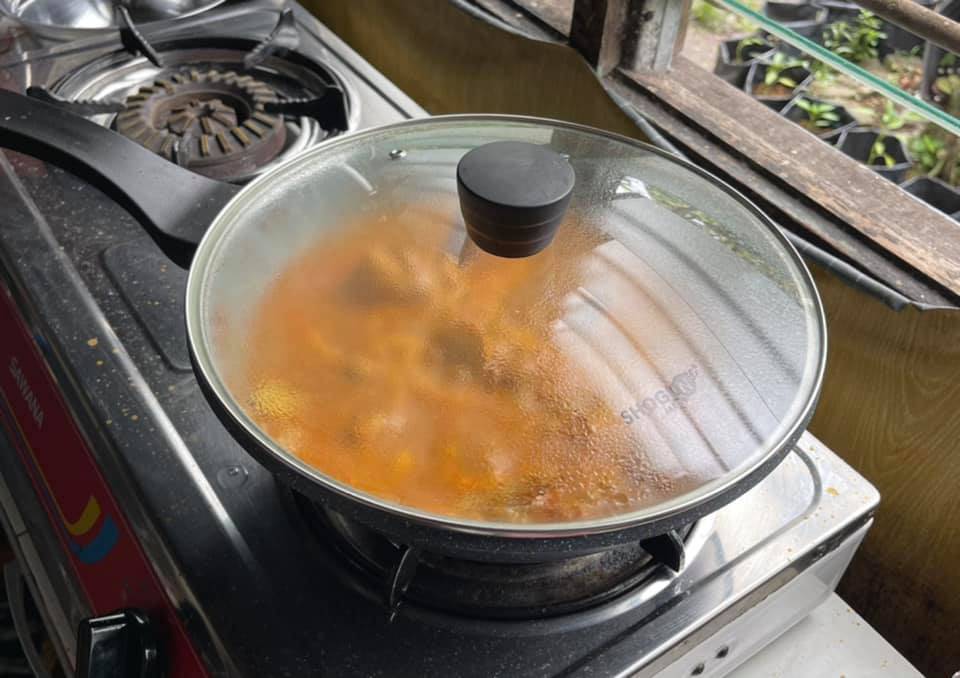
{"x": 832, "y": 642}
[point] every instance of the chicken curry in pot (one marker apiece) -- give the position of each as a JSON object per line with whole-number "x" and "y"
{"x": 389, "y": 358}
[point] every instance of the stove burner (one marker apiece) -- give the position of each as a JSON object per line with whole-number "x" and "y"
{"x": 306, "y": 102}
{"x": 212, "y": 122}
{"x": 397, "y": 574}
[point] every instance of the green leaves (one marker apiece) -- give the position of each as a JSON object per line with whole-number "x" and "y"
{"x": 821, "y": 114}
{"x": 855, "y": 42}
{"x": 775, "y": 73}
{"x": 878, "y": 153}
{"x": 826, "y": 119}
{"x": 928, "y": 151}
{"x": 744, "y": 48}
{"x": 891, "y": 118}
{"x": 949, "y": 84}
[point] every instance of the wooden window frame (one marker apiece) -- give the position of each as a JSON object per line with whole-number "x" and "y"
{"x": 807, "y": 186}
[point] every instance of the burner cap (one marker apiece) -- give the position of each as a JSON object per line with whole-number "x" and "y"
{"x": 212, "y": 122}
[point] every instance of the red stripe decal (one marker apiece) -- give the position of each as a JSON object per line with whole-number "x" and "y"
{"x": 106, "y": 557}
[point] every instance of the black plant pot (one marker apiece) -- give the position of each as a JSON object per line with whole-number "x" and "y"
{"x": 808, "y": 28}
{"x": 829, "y": 134}
{"x": 784, "y": 47}
{"x": 899, "y": 39}
{"x": 858, "y": 141}
{"x": 731, "y": 70}
{"x": 838, "y": 10}
{"x": 798, "y": 74}
{"x": 936, "y": 193}
{"x": 785, "y": 11}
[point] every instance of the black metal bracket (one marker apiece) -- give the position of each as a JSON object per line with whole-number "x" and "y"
{"x": 82, "y": 107}
{"x": 132, "y": 38}
{"x": 329, "y": 109}
{"x": 284, "y": 36}
{"x": 667, "y": 549}
{"x": 400, "y": 578}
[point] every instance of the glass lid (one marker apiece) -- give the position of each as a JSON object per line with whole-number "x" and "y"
{"x": 644, "y": 339}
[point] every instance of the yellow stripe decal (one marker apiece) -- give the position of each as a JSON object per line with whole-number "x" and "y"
{"x": 86, "y": 520}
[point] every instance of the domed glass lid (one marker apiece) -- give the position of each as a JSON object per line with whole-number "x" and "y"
{"x": 662, "y": 344}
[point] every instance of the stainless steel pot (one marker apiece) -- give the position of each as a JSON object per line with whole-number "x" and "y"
{"x": 710, "y": 319}
{"x": 76, "y": 19}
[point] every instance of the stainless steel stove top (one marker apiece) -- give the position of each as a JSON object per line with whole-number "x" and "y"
{"x": 253, "y": 589}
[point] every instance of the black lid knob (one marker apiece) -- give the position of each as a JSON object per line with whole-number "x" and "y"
{"x": 513, "y": 196}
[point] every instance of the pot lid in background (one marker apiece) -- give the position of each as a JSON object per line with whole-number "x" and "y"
{"x": 662, "y": 346}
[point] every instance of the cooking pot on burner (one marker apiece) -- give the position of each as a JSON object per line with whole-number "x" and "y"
{"x": 496, "y": 337}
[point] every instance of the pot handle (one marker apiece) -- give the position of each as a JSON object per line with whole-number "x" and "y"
{"x": 175, "y": 205}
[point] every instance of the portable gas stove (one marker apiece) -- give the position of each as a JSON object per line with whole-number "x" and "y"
{"x": 139, "y": 522}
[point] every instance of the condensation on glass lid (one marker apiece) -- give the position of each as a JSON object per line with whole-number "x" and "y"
{"x": 581, "y": 383}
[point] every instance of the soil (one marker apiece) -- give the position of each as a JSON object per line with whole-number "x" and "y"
{"x": 774, "y": 91}
{"x": 700, "y": 43}
{"x": 700, "y": 46}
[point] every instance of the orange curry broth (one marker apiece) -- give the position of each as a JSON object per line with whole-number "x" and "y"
{"x": 384, "y": 359}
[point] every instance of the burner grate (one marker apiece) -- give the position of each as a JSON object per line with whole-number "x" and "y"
{"x": 213, "y": 122}
{"x": 294, "y": 100}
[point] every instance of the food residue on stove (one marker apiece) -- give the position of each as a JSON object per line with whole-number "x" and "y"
{"x": 377, "y": 359}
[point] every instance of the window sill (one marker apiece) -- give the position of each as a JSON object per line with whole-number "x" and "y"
{"x": 863, "y": 216}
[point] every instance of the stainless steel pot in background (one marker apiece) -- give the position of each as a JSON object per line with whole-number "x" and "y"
{"x": 76, "y": 19}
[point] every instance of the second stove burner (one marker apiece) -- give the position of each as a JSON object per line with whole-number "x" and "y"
{"x": 204, "y": 107}
{"x": 212, "y": 122}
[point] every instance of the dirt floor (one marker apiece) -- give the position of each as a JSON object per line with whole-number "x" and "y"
{"x": 700, "y": 45}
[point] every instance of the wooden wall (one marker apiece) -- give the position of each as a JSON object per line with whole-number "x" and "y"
{"x": 892, "y": 394}
{"x": 451, "y": 62}
{"x": 891, "y": 408}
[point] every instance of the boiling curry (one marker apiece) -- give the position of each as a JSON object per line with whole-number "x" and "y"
{"x": 396, "y": 360}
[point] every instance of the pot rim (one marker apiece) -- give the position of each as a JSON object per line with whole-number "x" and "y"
{"x": 204, "y": 365}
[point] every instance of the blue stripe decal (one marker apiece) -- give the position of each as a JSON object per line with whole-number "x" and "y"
{"x": 98, "y": 549}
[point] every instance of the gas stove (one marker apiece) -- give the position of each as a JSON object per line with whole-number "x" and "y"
{"x": 136, "y": 518}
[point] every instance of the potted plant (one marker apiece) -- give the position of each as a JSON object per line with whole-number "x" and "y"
{"x": 777, "y": 81}
{"x": 826, "y": 120}
{"x": 937, "y": 62}
{"x": 937, "y": 155}
{"x": 805, "y": 18}
{"x": 883, "y": 152}
{"x": 734, "y": 57}
{"x": 936, "y": 193}
{"x": 929, "y": 153}
{"x": 855, "y": 41}
{"x": 938, "y": 152}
